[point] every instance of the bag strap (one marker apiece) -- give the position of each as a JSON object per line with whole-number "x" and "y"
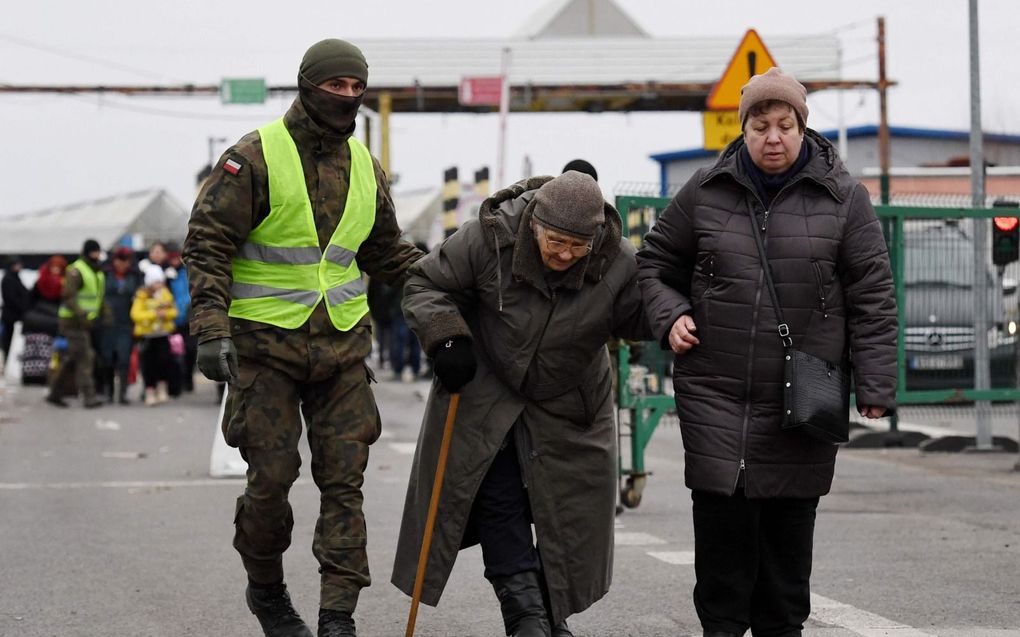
{"x": 784, "y": 329}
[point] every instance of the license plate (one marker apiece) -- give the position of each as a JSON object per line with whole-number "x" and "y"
{"x": 936, "y": 362}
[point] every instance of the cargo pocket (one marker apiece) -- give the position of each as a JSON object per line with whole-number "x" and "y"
{"x": 235, "y": 416}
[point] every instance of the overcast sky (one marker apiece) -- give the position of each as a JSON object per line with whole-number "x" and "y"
{"x": 61, "y": 149}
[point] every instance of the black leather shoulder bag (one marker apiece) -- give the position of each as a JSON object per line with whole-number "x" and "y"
{"x": 816, "y": 392}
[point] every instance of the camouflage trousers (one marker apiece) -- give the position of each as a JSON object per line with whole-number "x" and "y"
{"x": 325, "y": 377}
{"x": 77, "y": 360}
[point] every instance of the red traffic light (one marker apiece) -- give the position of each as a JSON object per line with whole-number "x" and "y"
{"x": 1006, "y": 224}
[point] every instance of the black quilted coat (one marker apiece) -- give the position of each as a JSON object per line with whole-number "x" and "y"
{"x": 831, "y": 269}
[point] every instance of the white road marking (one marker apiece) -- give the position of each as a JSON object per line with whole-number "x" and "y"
{"x": 682, "y": 558}
{"x": 633, "y": 538}
{"x": 406, "y": 448}
{"x": 829, "y": 611}
{"x": 107, "y": 425}
{"x": 823, "y": 610}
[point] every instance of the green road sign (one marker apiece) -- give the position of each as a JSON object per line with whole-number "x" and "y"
{"x": 243, "y": 91}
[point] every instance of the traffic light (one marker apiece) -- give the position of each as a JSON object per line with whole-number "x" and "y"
{"x": 1005, "y": 235}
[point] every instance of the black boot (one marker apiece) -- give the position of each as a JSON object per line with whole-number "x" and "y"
{"x": 520, "y": 600}
{"x": 719, "y": 633}
{"x": 561, "y": 630}
{"x": 107, "y": 385}
{"x": 336, "y": 623}
{"x": 122, "y": 388}
{"x": 271, "y": 606}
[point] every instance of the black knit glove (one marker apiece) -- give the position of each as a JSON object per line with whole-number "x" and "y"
{"x": 454, "y": 364}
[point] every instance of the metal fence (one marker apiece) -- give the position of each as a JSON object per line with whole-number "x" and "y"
{"x": 957, "y": 354}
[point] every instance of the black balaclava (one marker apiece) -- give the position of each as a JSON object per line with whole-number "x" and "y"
{"x": 333, "y": 112}
{"x": 89, "y": 247}
{"x": 323, "y": 61}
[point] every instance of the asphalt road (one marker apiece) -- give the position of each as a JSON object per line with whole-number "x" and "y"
{"x": 110, "y": 525}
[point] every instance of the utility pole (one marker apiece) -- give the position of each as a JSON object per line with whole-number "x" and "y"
{"x": 982, "y": 372}
{"x": 883, "y": 119}
{"x": 504, "y": 110}
{"x": 212, "y": 149}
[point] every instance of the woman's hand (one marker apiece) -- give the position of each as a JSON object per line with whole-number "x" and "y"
{"x": 681, "y": 335}
{"x": 871, "y": 411}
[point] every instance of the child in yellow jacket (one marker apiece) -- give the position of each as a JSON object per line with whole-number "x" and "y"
{"x": 153, "y": 312}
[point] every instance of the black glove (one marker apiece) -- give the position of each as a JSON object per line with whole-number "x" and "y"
{"x": 217, "y": 359}
{"x": 454, "y": 364}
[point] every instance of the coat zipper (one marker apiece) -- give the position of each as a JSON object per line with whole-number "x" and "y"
{"x": 750, "y": 370}
{"x": 821, "y": 288}
{"x": 754, "y": 325}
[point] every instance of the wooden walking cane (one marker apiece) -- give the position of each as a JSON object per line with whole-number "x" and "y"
{"x": 430, "y": 520}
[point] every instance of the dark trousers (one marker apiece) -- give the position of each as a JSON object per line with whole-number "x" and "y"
{"x": 190, "y": 358}
{"x": 6, "y": 336}
{"x": 115, "y": 353}
{"x": 752, "y": 559}
{"x": 501, "y": 517}
{"x": 76, "y": 362}
{"x": 404, "y": 347}
{"x": 156, "y": 361}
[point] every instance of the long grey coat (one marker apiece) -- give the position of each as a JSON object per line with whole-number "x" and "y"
{"x": 543, "y": 364}
{"x": 832, "y": 276}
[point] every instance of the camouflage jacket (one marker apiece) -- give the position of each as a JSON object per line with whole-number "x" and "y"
{"x": 235, "y": 199}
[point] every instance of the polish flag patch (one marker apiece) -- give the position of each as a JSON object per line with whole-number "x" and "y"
{"x": 231, "y": 166}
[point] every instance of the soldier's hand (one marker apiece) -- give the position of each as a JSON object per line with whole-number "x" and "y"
{"x": 217, "y": 359}
{"x": 455, "y": 364}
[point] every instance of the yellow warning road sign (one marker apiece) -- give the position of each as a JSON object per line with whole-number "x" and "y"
{"x": 721, "y": 128}
{"x": 750, "y": 59}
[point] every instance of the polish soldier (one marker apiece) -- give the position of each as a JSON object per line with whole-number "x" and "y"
{"x": 81, "y": 299}
{"x": 290, "y": 219}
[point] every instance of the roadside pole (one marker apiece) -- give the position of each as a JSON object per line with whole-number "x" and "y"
{"x": 504, "y": 109}
{"x": 982, "y": 372}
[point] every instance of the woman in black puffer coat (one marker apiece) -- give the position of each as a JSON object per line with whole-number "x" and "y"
{"x": 755, "y": 487}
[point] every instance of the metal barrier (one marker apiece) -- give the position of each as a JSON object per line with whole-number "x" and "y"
{"x": 939, "y": 354}
{"x": 644, "y": 389}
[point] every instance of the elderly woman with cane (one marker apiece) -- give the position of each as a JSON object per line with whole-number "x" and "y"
{"x": 515, "y": 309}
{"x": 765, "y": 275}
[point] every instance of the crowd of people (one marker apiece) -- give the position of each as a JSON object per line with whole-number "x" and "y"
{"x": 92, "y": 325}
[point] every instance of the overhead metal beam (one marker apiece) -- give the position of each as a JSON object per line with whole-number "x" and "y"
{"x": 415, "y": 98}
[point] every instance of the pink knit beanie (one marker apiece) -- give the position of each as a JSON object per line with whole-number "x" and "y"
{"x": 773, "y": 85}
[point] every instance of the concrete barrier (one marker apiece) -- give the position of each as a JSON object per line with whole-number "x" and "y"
{"x": 12, "y": 364}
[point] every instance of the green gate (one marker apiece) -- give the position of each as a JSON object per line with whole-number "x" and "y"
{"x": 932, "y": 255}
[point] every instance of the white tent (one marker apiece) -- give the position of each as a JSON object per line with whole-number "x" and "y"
{"x": 135, "y": 219}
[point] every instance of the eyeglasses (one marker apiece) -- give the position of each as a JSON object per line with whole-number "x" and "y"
{"x": 560, "y": 246}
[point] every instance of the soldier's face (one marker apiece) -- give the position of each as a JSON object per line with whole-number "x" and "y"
{"x": 346, "y": 86}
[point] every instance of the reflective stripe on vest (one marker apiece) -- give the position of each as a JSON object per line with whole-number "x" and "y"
{"x": 280, "y": 274}
{"x": 90, "y": 296}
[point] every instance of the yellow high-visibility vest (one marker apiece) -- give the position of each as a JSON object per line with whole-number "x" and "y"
{"x": 90, "y": 296}
{"x": 280, "y": 274}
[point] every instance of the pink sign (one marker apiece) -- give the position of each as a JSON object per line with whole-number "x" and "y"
{"x": 480, "y": 91}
